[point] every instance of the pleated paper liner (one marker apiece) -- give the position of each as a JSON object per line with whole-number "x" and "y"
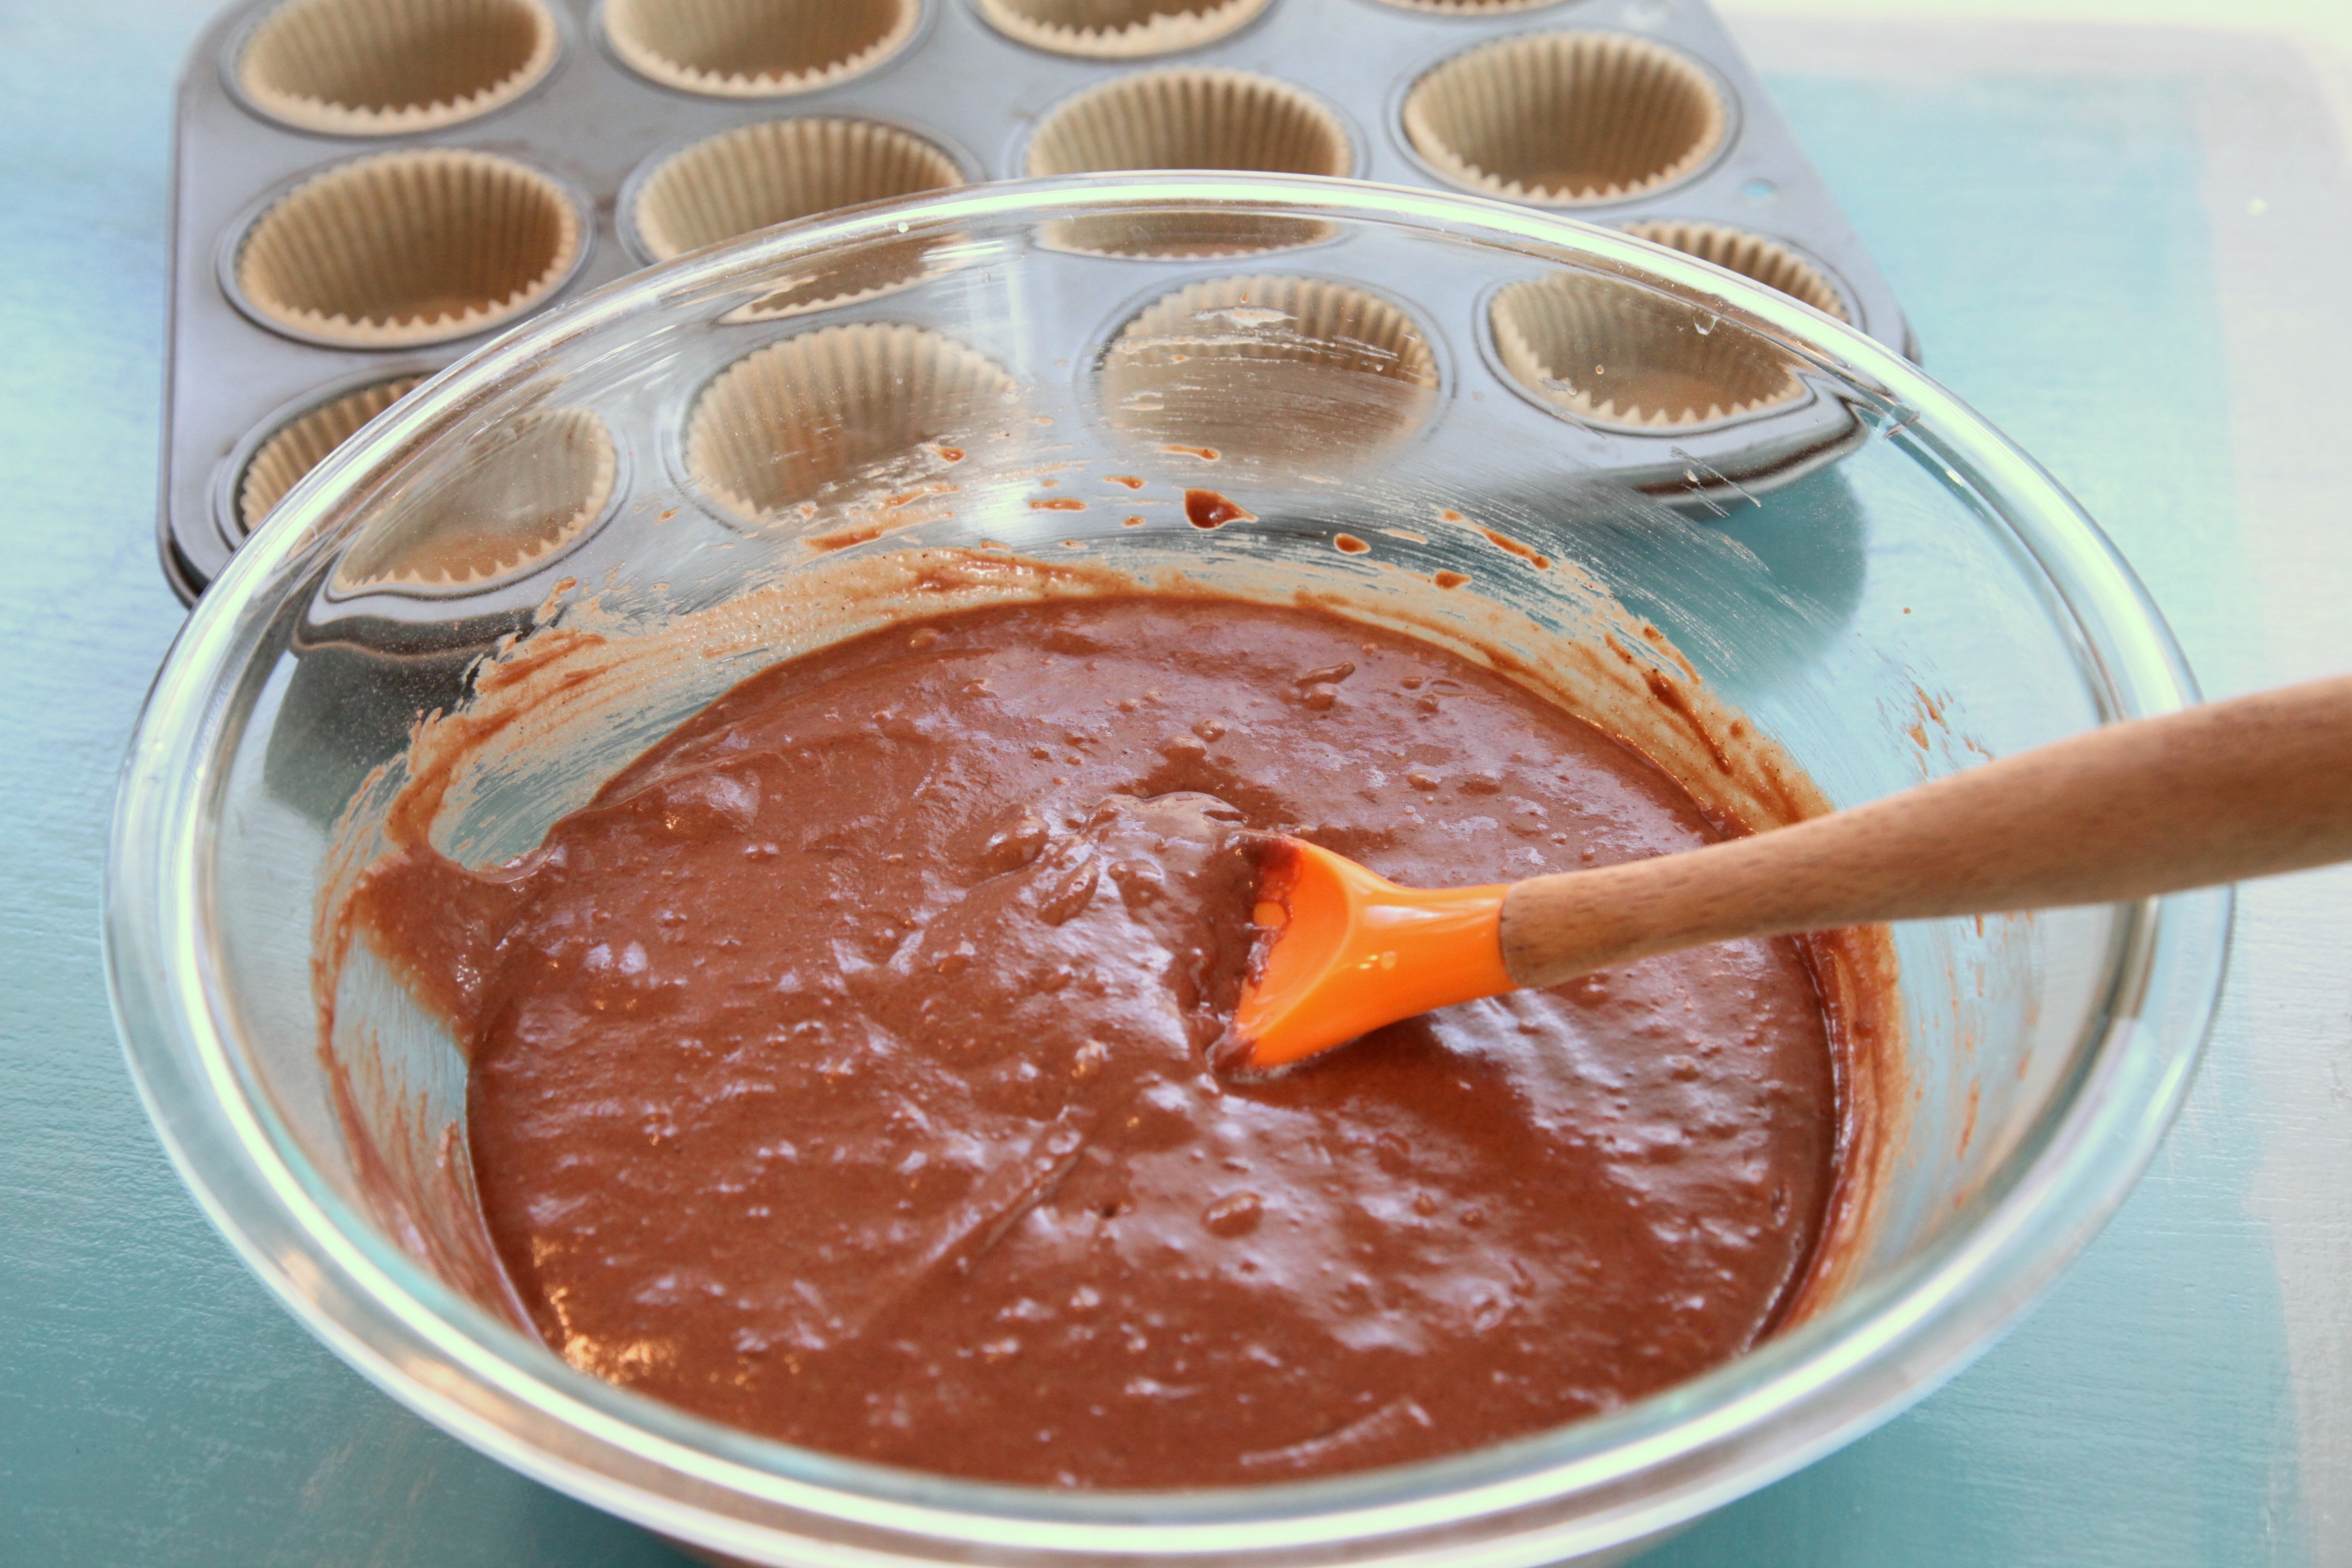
{"x": 805, "y": 419}
{"x": 1613, "y": 353}
{"x": 1291, "y": 373}
{"x": 756, "y": 48}
{"x": 1561, "y": 119}
{"x": 1752, "y": 255}
{"x": 415, "y": 247}
{"x": 393, "y": 68}
{"x": 522, "y": 492}
{"x": 1192, "y": 119}
{"x": 301, "y": 444}
{"x": 779, "y": 170}
{"x": 1117, "y": 29}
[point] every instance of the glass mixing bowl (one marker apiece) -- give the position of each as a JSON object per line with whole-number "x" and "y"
{"x": 1409, "y": 396}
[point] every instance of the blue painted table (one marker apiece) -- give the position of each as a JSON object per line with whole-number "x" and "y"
{"x": 2124, "y": 246}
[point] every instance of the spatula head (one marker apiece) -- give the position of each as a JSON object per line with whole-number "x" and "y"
{"x": 1343, "y": 950}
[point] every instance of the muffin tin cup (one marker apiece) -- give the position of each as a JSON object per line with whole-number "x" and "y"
{"x": 776, "y": 171}
{"x": 756, "y": 48}
{"x": 293, "y": 447}
{"x": 522, "y": 494}
{"x": 811, "y": 416}
{"x": 1752, "y": 255}
{"x": 394, "y": 67}
{"x": 779, "y": 171}
{"x": 397, "y": 250}
{"x": 299, "y": 279}
{"x": 1567, "y": 119}
{"x": 1117, "y": 29}
{"x": 1199, "y": 118}
{"x": 1611, "y": 352}
{"x": 1280, "y": 374}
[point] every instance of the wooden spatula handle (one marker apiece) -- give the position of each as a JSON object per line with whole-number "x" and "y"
{"x": 2216, "y": 793}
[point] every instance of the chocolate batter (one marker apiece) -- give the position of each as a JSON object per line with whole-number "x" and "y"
{"x": 839, "y": 1072}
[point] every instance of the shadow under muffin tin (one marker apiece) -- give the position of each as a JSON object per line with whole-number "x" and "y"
{"x": 366, "y": 189}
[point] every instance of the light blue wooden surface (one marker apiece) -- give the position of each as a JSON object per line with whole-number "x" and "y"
{"x": 2053, "y": 236}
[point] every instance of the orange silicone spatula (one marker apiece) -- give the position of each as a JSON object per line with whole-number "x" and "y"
{"x": 2244, "y": 788}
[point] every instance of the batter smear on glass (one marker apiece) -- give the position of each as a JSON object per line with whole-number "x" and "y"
{"x": 839, "y": 1072}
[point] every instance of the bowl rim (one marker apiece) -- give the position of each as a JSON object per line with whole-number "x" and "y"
{"x": 1603, "y": 1482}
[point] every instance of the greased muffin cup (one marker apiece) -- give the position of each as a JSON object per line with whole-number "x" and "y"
{"x": 1191, "y": 119}
{"x": 1117, "y": 29}
{"x": 756, "y": 48}
{"x": 1566, "y": 119}
{"x": 1768, "y": 261}
{"x": 551, "y": 146}
{"x": 394, "y": 67}
{"x": 521, "y": 492}
{"x": 415, "y": 247}
{"x": 1332, "y": 373}
{"x": 295, "y": 447}
{"x": 1611, "y": 352}
{"x": 799, "y": 420}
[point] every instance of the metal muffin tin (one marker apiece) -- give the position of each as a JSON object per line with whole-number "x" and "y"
{"x": 596, "y": 130}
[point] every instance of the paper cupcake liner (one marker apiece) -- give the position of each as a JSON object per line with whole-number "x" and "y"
{"x": 520, "y": 494}
{"x": 1290, "y": 371}
{"x": 1751, "y": 256}
{"x": 1562, "y": 119}
{"x": 790, "y": 421}
{"x": 755, "y": 48}
{"x": 1196, "y": 119}
{"x": 415, "y": 247}
{"x": 777, "y": 170}
{"x": 393, "y": 68}
{"x": 1117, "y": 29}
{"x": 301, "y": 444}
{"x": 1613, "y": 353}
